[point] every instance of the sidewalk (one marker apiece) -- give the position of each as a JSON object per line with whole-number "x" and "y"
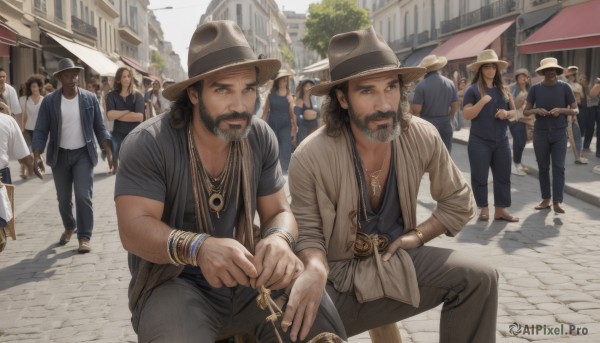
{"x": 581, "y": 182}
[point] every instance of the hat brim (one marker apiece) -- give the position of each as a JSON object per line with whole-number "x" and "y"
{"x": 70, "y": 68}
{"x": 441, "y": 63}
{"x": 283, "y": 74}
{"x": 474, "y": 67}
{"x": 267, "y": 69}
{"x": 559, "y": 69}
{"x": 409, "y": 74}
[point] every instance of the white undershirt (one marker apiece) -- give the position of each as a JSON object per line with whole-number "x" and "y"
{"x": 71, "y": 136}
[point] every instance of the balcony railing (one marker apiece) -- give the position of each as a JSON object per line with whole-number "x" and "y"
{"x": 83, "y": 28}
{"x": 497, "y": 9}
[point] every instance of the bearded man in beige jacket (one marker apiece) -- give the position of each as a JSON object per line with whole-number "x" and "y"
{"x": 354, "y": 186}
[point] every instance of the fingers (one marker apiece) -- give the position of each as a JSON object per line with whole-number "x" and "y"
{"x": 244, "y": 263}
{"x": 391, "y": 250}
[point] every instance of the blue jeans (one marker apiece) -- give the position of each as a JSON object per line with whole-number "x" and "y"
{"x": 446, "y": 131}
{"x": 592, "y": 119}
{"x": 518, "y": 130}
{"x": 551, "y": 145}
{"x": 484, "y": 154}
{"x": 117, "y": 140}
{"x": 282, "y": 126}
{"x": 74, "y": 169}
{"x": 577, "y": 136}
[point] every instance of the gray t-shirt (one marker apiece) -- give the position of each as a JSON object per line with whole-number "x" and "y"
{"x": 435, "y": 93}
{"x": 154, "y": 164}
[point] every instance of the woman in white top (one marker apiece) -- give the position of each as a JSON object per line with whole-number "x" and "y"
{"x": 32, "y": 104}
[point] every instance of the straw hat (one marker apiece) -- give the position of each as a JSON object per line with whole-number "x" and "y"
{"x": 66, "y": 64}
{"x": 217, "y": 46}
{"x": 361, "y": 53}
{"x": 521, "y": 71}
{"x": 572, "y": 70}
{"x": 283, "y": 72}
{"x": 433, "y": 62}
{"x": 487, "y": 56}
{"x": 549, "y": 62}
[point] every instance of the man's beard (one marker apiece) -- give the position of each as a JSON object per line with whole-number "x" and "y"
{"x": 383, "y": 133}
{"x": 234, "y": 132}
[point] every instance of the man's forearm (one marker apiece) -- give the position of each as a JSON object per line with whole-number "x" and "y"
{"x": 431, "y": 228}
{"x": 314, "y": 260}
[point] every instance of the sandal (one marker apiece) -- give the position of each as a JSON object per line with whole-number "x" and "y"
{"x": 508, "y": 218}
{"x": 65, "y": 237}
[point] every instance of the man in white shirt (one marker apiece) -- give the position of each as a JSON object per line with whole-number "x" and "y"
{"x": 9, "y": 94}
{"x": 12, "y": 145}
{"x": 71, "y": 116}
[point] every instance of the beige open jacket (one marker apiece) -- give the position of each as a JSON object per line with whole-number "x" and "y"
{"x": 324, "y": 193}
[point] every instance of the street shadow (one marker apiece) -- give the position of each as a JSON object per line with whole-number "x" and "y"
{"x": 32, "y": 269}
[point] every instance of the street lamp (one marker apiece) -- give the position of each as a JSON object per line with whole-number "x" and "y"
{"x": 161, "y": 8}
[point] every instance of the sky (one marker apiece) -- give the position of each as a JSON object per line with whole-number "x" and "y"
{"x": 178, "y": 24}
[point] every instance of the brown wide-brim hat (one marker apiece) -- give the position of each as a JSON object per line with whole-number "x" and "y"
{"x": 433, "y": 62}
{"x": 218, "y": 46}
{"x": 487, "y": 56}
{"x": 362, "y": 53}
{"x": 66, "y": 64}
{"x": 547, "y": 63}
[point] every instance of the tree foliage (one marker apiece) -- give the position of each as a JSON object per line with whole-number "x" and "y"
{"x": 331, "y": 17}
{"x": 287, "y": 54}
{"x": 158, "y": 61}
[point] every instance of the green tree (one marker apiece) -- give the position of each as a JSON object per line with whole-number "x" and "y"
{"x": 157, "y": 61}
{"x": 287, "y": 54}
{"x": 331, "y": 17}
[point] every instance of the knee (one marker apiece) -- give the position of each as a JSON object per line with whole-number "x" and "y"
{"x": 484, "y": 277}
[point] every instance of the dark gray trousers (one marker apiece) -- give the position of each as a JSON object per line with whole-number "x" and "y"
{"x": 467, "y": 288}
{"x": 180, "y": 311}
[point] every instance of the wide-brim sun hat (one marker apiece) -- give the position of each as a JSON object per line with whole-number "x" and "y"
{"x": 362, "y": 53}
{"x": 571, "y": 70}
{"x": 547, "y": 63}
{"x": 66, "y": 64}
{"x": 433, "y": 62}
{"x": 283, "y": 73}
{"x": 218, "y": 46}
{"x": 487, "y": 56}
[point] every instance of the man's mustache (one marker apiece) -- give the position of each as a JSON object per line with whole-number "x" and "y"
{"x": 380, "y": 116}
{"x": 234, "y": 116}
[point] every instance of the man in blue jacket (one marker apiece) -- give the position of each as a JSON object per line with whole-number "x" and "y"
{"x": 71, "y": 116}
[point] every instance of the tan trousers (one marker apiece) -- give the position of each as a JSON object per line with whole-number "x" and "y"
{"x": 467, "y": 287}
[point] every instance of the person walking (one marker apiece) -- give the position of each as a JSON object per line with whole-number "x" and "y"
{"x": 125, "y": 107}
{"x": 279, "y": 113}
{"x": 11, "y": 99}
{"x": 518, "y": 123}
{"x": 307, "y": 113}
{"x": 435, "y": 98}
{"x": 489, "y": 105}
{"x": 156, "y": 103}
{"x": 593, "y": 116}
{"x": 68, "y": 120}
{"x": 551, "y": 101}
{"x": 575, "y": 124}
{"x": 189, "y": 186}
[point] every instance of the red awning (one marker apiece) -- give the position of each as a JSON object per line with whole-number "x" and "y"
{"x": 468, "y": 44}
{"x": 8, "y": 36}
{"x": 134, "y": 64}
{"x": 575, "y": 27}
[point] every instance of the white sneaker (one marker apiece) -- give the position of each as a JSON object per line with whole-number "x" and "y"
{"x": 515, "y": 170}
{"x": 522, "y": 168}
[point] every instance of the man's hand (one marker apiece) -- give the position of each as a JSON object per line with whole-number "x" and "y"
{"x": 226, "y": 262}
{"x": 275, "y": 263}
{"x": 303, "y": 305}
{"x": 406, "y": 241}
{"x": 38, "y": 167}
{"x": 112, "y": 163}
{"x": 555, "y": 112}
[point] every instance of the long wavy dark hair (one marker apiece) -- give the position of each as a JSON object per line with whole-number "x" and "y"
{"x": 335, "y": 116}
{"x": 497, "y": 82}
{"x": 182, "y": 110}
{"x": 117, "y": 86}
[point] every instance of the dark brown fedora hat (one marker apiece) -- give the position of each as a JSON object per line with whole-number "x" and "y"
{"x": 217, "y": 46}
{"x": 362, "y": 53}
{"x": 66, "y": 64}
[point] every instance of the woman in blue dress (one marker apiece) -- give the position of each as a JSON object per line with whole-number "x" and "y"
{"x": 279, "y": 113}
{"x": 489, "y": 105}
